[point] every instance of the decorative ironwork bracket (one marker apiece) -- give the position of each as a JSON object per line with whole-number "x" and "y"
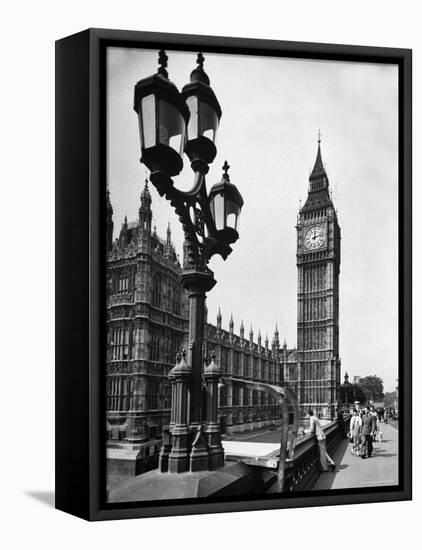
{"x": 192, "y": 208}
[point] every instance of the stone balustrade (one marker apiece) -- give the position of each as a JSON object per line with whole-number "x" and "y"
{"x": 303, "y": 470}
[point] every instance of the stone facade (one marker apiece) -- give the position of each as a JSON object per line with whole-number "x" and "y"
{"x": 147, "y": 325}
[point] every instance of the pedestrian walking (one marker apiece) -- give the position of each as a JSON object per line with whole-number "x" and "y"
{"x": 373, "y": 412}
{"x": 355, "y": 432}
{"x": 325, "y": 460}
{"x": 368, "y": 428}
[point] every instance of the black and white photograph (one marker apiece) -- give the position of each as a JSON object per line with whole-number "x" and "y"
{"x": 252, "y": 288}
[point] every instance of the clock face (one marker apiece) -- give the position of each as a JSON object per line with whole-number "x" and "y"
{"x": 314, "y": 237}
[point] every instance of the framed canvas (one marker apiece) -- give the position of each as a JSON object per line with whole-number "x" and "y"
{"x": 233, "y": 276}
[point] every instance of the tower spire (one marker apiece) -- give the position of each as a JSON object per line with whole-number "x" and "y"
{"x": 318, "y": 169}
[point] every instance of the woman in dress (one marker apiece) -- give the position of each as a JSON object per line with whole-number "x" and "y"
{"x": 355, "y": 429}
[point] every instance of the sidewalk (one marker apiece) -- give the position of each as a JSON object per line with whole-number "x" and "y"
{"x": 381, "y": 469}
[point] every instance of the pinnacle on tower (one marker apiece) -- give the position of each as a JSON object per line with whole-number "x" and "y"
{"x": 318, "y": 178}
{"x": 145, "y": 212}
{"x": 266, "y": 340}
{"x": 242, "y": 329}
{"x": 168, "y": 242}
{"x": 231, "y": 324}
{"x": 219, "y": 319}
{"x": 276, "y": 340}
{"x": 146, "y": 196}
{"x": 259, "y": 338}
{"x": 251, "y": 334}
{"x": 318, "y": 192}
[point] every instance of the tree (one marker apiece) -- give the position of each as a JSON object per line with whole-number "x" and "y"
{"x": 373, "y": 387}
{"x": 390, "y": 399}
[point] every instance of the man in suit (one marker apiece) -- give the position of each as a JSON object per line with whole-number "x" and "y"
{"x": 368, "y": 429}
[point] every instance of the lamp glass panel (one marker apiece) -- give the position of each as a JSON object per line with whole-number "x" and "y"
{"x": 147, "y": 121}
{"x": 219, "y": 212}
{"x": 232, "y": 213}
{"x": 208, "y": 121}
{"x": 192, "y": 103}
{"x": 231, "y": 220}
{"x": 171, "y": 127}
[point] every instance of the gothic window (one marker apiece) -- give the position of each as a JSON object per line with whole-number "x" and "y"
{"x": 156, "y": 291}
{"x": 255, "y": 368}
{"x": 154, "y": 344}
{"x": 246, "y": 397}
{"x": 236, "y": 363}
{"x": 223, "y": 396}
{"x": 224, "y": 360}
{"x": 176, "y": 301}
{"x": 114, "y": 390}
{"x": 123, "y": 395}
{"x": 236, "y": 395}
{"x": 131, "y": 401}
{"x": 123, "y": 283}
{"x": 126, "y": 344}
{"x": 155, "y": 392}
{"x": 119, "y": 344}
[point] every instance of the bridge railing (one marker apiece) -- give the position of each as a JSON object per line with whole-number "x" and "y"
{"x": 304, "y": 469}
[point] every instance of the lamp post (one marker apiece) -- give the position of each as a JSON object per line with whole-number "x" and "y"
{"x": 346, "y": 385}
{"x": 171, "y": 123}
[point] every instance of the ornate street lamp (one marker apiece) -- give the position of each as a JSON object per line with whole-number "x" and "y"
{"x": 170, "y": 123}
{"x": 226, "y": 204}
{"x": 205, "y": 114}
{"x": 346, "y": 385}
{"x": 163, "y": 115}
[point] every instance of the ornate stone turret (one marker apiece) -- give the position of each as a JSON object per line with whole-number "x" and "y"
{"x": 259, "y": 338}
{"x": 219, "y": 318}
{"x": 145, "y": 212}
{"x": 266, "y": 341}
{"x": 169, "y": 246}
{"x": 242, "y": 331}
{"x": 231, "y": 324}
{"x": 276, "y": 340}
{"x": 251, "y": 337}
{"x": 123, "y": 237}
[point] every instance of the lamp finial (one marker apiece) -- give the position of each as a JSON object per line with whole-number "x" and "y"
{"x": 200, "y": 60}
{"x": 226, "y": 168}
{"x": 162, "y": 61}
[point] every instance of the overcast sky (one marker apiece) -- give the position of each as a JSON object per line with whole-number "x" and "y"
{"x": 272, "y": 110}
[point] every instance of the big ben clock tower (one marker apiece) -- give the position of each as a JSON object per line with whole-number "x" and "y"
{"x": 318, "y": 265}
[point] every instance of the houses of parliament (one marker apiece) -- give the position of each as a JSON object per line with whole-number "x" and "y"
{"x": 147, "y": 324}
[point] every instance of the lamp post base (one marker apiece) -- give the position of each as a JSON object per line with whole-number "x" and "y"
{"x": 233, "y": 479}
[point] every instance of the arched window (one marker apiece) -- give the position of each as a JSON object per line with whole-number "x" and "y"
{"x": 156, "y": 290}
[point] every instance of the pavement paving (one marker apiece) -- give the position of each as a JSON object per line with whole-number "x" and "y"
{"x": 352, "y": 471}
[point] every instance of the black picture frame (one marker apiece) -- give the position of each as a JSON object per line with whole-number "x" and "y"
{"x": 80, "y": 247}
